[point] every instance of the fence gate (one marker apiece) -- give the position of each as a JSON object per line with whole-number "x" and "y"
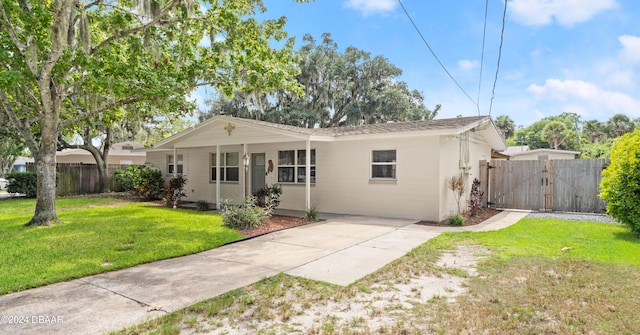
{"x": 551, "y": 185}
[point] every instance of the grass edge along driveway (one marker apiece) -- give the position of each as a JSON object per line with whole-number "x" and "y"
{"x": 98, "y": 235}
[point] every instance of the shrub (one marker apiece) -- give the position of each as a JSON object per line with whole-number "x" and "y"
{"x": 269, "y": 196}
{"x": 143, "y": 181}
{"x": 175, "y": 190}
{"x": 312, "y": 215}
{"x": 202, "y": 205}
{"x": 22, "y": 182}
{"x": 125, "y": 177}
{"x": 475, "y": 198}
{"x": 458, "y": 186}
{"x": 456, "y": 220}
{"x": 620, "y": 185}
{"x": 246, "y": 216}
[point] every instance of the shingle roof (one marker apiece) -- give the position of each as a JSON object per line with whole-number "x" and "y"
{"x": 378, "y": 128}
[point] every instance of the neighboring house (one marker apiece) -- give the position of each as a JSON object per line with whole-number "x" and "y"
{"x": 20, "y": 165}
{"x": 524, "y": 153}
{"x": 393, "y": 169}
{"x": 120, "y": 153}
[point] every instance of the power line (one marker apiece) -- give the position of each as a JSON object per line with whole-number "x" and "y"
{"x": 484, "y": 38}
{"x": 434, "y": 54}
{"x": 495, "y": 80}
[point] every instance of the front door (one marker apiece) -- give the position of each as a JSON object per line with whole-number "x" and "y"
{"x": 258, "y": 172}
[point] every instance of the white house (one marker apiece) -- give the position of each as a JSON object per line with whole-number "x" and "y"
{"x": 119, "y": 153}
{"x": 393, "y": 169}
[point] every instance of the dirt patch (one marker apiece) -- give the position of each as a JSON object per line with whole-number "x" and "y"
{"x": 378, "y": 309}
{"x": 469, "y": 219}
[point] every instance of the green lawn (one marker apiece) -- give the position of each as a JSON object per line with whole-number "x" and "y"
{"x": 527, "y": 284}
{"x": 98, "y": 235}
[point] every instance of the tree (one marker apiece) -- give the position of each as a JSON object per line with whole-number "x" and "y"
{"x": 340, "y": 88}
{"x": 68, "y": 61}
{"x": 620, "y": 183}
{"x": 555, "y": 133}
{"x": 619, "y": 125}
{"x": 594, "y": 131}
{"x": 506, "y": 125}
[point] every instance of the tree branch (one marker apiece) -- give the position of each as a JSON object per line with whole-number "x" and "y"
{"x": 4, "y": 20}
{"x": 87, "y": 115}
{"x": 123, "y": 33}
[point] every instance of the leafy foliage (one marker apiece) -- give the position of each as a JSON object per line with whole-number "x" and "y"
{"x": 476, "y": 196}
{"x": 456, "y": 220}
{"x": 340, "y": 88}
{"x": 22, "y": 182}
{"x": 312, "y": 215}
{"x": 175, "y": 190}
{"x": 245, "y": 216}
{"x": 621, "y": 181}
{"x": 68, "y": 65}
{"x": 125, "y": 177}
{"x": 458, "y": 186}
{"x": 202, "y": 205}
{"x": 269, "y": 196}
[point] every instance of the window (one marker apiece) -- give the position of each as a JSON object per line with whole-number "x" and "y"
{"x": 383, "y": 164}
{"x": 170, "y": 164}
{"x": 292, "y": 166}
{"x": 229, "y": 167}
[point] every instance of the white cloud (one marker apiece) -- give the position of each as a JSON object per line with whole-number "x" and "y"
{"x": 368, "y": 7}
{"x": 467, "y": 65}
{"x": 586, "y": 97}
{"x": 630, "y": 48}
{"x": 565, "y": 12}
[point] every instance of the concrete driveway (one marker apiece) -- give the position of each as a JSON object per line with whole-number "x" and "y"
{"x": 339, "y": 251}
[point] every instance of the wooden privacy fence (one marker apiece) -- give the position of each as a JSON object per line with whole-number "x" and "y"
{"x": 570, "y": 185}
{"x": 78, "y": 178}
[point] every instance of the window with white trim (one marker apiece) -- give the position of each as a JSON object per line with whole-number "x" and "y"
{"x": 171, "y": 165}
{"x": 292, "y": 166}
{"x": 229, "y": 166}
{"x": 383, "y": 164}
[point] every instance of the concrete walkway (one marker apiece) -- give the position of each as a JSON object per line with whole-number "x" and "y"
{"x": 338, "y": 251}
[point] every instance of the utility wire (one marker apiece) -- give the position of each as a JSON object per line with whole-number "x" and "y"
{"x": 484, "y": 38}
{"x": 434, "y": 54}
{"x": 495, "y": 80}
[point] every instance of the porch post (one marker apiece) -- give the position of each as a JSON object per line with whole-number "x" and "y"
{"x": 246, "y": 170}
{"x": 175, "y": 161}
{"x": 218, "y": 177}
{"x": 307, "y": 177}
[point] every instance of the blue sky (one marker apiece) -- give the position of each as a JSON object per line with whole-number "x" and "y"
{"x": 580, "y": 56}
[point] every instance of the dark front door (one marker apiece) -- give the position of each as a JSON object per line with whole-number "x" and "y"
{"x": 258, "y": 172}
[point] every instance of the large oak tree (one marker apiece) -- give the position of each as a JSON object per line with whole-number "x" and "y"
{"x": 67, "y": 62}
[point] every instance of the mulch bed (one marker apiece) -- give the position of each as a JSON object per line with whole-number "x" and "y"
{"x": 469, "y": 220}
{"x": 276, "y": 222}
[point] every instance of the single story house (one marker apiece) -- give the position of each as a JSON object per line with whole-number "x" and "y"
{"x": 122, "y": 153}
{"x": 395, "y": 169}
{"x": 524, "y": 153}
{"x": 20, "y": 165}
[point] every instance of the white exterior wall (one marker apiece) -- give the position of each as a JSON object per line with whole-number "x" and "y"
{"x": 344, "y": 184}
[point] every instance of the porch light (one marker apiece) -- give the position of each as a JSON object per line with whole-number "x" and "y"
{"x": 245, "y": 161}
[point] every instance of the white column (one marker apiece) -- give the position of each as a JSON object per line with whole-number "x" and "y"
{"x": 175, "y": 161}
{"x": 218, "y": 177}
{"x": 246, "y": 169}
{"x": 307, "y": 176}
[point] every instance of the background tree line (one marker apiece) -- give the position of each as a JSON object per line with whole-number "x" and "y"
{"x": 567, "y": 131}
{"x": 340, "y": 88}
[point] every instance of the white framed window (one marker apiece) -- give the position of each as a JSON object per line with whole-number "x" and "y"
{"x": 292, "y": 166}
{"x": 383, "y": 164}
{"x": 229, "y": 166}
{"x": 171, "y": 164}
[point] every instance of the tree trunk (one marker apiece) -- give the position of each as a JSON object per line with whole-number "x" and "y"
{"x": 45, "y": 213}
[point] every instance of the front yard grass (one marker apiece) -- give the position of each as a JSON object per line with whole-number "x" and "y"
{"x": 540, "y": 277}
{"x": 98, "y": 235}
